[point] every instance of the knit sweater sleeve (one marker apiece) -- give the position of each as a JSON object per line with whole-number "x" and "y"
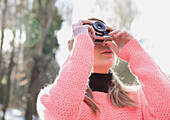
{"x": 155, "y": 91}
{"x": 66, "y": 96}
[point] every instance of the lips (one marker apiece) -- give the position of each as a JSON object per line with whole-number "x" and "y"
{"x": 107, "y": 52}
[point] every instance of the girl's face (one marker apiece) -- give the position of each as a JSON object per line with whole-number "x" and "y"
{"x": 104, "y": 58}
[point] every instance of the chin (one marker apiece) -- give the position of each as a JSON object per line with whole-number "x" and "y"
{"x": 109, "y": 61}
{"x": 104, "y": 62}
{"x": 107, "y": 64}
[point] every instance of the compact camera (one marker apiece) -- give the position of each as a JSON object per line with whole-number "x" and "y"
{"x": 101, "y": 32}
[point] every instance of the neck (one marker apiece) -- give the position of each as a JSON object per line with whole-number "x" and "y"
{"x": 101, "y": 70}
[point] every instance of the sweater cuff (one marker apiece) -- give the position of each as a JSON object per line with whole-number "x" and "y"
{"x": 130, "y": 50}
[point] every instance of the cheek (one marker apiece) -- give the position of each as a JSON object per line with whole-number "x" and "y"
{"x": 97, "y": 54}
{"x": 97, "y": 57}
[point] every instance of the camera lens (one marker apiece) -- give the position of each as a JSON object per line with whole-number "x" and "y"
{"x": 99, "y": 27}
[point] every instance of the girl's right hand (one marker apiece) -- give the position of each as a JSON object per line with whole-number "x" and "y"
{"x": 83, "y": 26}
{"x": 120, "y": 37}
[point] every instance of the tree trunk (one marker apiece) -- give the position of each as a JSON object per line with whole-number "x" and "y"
{"x": 45, "y": 22}
{"x": 40, "y": 61}
{"x": 8, "y": 85}
{"x": 36, "y": 81}
{"x": 2, "y": 37}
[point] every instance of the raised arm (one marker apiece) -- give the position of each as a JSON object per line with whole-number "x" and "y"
{"x": 155, "y": 97}
{"x": 66, "y": 96}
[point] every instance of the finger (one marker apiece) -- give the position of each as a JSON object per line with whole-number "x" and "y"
{"x": 115, "y": 39}
{"x": 83, "y": 22}
{"x": 123, "y": 32}
{"x": 113, "y": 46}
{"x": 110, "y": 28}
{"x": 114, "y": 32}
{"x": 91, "y": 31}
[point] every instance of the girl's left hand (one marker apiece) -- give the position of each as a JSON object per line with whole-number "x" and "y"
{"x": 120, "y": 37}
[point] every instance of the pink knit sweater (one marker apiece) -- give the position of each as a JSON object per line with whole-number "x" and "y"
{"x": 64, "y": 99}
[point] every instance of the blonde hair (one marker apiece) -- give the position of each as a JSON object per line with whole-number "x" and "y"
{"x": 117, "y": 92}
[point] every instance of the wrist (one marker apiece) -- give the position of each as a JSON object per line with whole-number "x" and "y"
{"x": 80, "y": 30}
{"x": 130, "y": 50}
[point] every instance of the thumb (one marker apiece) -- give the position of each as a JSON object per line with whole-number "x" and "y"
{"x": 113, "y": 46}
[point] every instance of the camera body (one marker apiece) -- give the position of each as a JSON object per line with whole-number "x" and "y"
{"x": 101, "y": 33}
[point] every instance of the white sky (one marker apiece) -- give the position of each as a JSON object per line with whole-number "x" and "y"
{"x": 152, "y": 24}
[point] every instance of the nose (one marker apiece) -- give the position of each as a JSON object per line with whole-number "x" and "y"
{"x": 105, "y": 44}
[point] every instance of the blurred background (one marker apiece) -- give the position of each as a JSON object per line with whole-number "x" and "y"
{"x": 34, "y": 36}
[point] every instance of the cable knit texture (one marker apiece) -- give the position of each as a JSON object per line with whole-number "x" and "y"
{"x": 64, "y": 99}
